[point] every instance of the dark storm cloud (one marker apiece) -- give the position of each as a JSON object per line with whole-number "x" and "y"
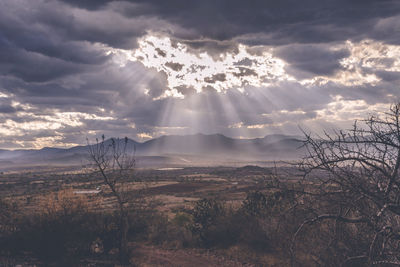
{"x": 108, "y": 93}
{"x": 108, "y": 88}
{"x": 286, "y": 21}
{"x": 314, "y": 59}
{"x": 43, "y": 40}
{"x": 387, "y": 29}
{"x": 103, "y": 26}
{"x": 59, "y": 37}
{"x": 389, "y": 76}
{"x": 385, "y": 92}
{"x": 53, "y": 60}
{"x": 31, "y": 66}
{"x": 88, "y": 4}
{"x": 212, "y": 47}
{"x": 6, "y": 106}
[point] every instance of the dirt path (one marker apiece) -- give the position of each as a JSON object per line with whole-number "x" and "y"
{"x": 148, "y": 256}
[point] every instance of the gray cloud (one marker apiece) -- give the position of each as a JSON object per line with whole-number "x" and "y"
{"x": 174, "y": 66}
{"x": 6, "y": 106}
{"x": 313, "y": 59}
{"x": 295, "y": 21}
{"x": 221, "y": 77}
{"x": 52, "y": 59}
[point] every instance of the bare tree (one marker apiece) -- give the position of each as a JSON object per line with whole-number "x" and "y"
{"x": 356, "y": 173}
{"x": 115, "y": 162}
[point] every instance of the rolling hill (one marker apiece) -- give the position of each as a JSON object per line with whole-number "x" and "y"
{"x": 170, "y": 150}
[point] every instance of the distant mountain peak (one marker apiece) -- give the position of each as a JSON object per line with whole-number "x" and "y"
{"x": 212, "y": 148}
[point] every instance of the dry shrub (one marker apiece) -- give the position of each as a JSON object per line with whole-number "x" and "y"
{"x": 62, "y": 228}
{"x": 179, "y": 231}
{"x": 214, "y": 224}
{"x": 8, "y": 213}
{"x": 63, "y": 203}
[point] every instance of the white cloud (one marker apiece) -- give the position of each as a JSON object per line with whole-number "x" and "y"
{"x": 342, "y": 110}
{"x": 27, "y": 121}
{"x": 366, "y": 57}
{"x": 144, "y": 136}
{"x": 185, "y": 68}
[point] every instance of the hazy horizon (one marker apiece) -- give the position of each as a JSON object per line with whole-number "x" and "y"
{"x": 167, "y": 151}
{"x": 92, "y": 142}
{"x": 143, "y": 69}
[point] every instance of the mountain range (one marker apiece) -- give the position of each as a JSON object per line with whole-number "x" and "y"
{"x": 171, "y": 150}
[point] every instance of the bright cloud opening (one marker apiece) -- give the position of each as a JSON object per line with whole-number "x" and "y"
{"x": 187, "y": 69}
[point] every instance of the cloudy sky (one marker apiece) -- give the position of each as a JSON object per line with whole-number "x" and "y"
{"x": 144, "y": 68}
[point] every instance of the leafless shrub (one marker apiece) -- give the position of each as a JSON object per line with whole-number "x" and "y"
{"x": 114, "y": 161}
{"x": 63, "y": 203}
{"x": 356, "y": 191}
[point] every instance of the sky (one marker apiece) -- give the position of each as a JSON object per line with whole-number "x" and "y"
{"x": 77, "y": 69}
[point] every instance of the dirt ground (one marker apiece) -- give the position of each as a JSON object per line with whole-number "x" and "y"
{"x": 149, "y": 256}
{"x": 171, "y": 190}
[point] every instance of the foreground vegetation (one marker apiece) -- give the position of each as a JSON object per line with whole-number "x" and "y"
{"x": 68, "y": 229}
{"x": 250, "y": 222}
{"x": 338, "y": 207}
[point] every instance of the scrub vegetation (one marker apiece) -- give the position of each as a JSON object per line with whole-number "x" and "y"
{"x": 339, "y": 206}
